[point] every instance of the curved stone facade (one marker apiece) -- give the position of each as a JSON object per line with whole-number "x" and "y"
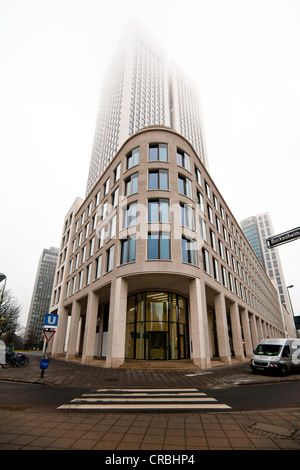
{"x": 156, "y": 223}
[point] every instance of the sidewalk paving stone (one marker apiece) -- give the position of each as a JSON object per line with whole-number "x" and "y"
{"x": 22, "y": 429}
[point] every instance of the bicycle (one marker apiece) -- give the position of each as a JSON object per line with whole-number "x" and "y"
{"x": 15, "y": 360}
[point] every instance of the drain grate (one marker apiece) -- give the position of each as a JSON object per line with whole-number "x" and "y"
{"x": 270, "y": 430}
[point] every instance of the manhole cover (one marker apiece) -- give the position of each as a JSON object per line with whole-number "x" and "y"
{"x": 271, "y": 430}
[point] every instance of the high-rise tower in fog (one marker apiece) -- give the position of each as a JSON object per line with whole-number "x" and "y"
{"x": 142, "y": 89}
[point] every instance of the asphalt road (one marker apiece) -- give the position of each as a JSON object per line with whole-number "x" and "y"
{"x": 21, "y": 396}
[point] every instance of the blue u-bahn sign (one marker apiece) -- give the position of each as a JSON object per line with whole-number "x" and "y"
{"x": 50, "y": 321}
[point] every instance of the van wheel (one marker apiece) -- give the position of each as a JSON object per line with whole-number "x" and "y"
{"x": 283, "y": 371}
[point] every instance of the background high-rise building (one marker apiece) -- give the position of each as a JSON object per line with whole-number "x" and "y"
{"x": 41, "y": 296}
{"x": 251, "y": 231}
{"x": 257, "y": 229}
{"x": 142, "y": 89}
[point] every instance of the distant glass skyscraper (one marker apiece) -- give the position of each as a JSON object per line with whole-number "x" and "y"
{"x": 257, "y": 229}
{"x": 142, "y": 89}
{"x": 41, "y": 296}
{"x": 251, "y": 231}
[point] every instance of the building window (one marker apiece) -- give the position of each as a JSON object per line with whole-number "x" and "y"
{"x": 112, "y": 226}
{"x": 189, "y": 251}
{"x": 158, "y": 210}
{"x": 200, "y": 201}
{"x": 98, "y": 266}
{"x": 185, "y": 186}
{"x": 210, "y": 214}
{"x": 92, "y": 245}
{"x": 88, "y": 274}
{"x": 216, "y": 270}
{"x": 71, "y": 266}
{"x": 94, "y": 222}
{"x": 205, "y": 260}
{"x": 115, "y": 197}
{"x": 106, "y": 187}
{"x": 224, "y": 277}
{"x": 207, "y": 190}
{"x": 87, "y": 228}
{"x": 131, "y": 185}
{"x": 68, "y": 289}
{"x": 97, "y": 199}
{"x": 213, "y": 240}
{"x": 198, "y": 176}
{"x": 73, "y": 284}
{"x": 203, "y": 232}
{"x": 159, "y": 245}
{"x": 101, "y": 237}
{"x": 187, "y": 216}
{"x": 83, "y": 254}
{"x": 158, "y": 152}
{"x": 231, "y": 282}
{"x": 110, "y": 258}
{"x": 133, "y": 158}
{"x": 80, "y": 280}
{"x": 130, "y": 215}
{"x": 128, "y": 250}
{"x": 117, "y": 173}
{"x": 221, "y": 250}
{"x": 158, "y": 179}
{"x": 183, "y": 159}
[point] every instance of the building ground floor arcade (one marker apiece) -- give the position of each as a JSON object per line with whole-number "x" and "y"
{"x": 158, "y": 317}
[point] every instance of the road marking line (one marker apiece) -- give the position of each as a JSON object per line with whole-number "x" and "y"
{"x": 145, "y": 406}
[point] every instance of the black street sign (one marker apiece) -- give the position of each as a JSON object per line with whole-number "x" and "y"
{"x": 282, "y": 238}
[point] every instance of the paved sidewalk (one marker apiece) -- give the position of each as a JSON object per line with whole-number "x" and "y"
{"x": 154, "y": 431}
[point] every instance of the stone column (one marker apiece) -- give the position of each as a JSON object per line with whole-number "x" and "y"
{"x": 199, "y": 342}
{"x": 246, "y": 331}
{"x": 254, "y": 331}
{"x": 89, "y": 340}
{"x": 73, "y": 330}
{"x": 222, "y": 328}
{"x": 236, "y": 332}
{"x": 259, "y": 329}
{"x": 115, "y": 353}
{"x": 60, "y": 335}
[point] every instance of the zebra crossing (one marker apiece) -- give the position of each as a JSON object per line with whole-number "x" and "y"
{"x": 145, "y": 399}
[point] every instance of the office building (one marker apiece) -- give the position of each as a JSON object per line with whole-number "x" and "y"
{"x": 143, "y": 89}
{"x": 257, "y": 229}
{"x": 157, "y": 267}
{"x": 41, "y": 297}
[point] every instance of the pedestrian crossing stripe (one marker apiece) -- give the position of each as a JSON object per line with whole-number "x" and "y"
{"x": 144, "y": 399}
{"x": 171, "y": 406}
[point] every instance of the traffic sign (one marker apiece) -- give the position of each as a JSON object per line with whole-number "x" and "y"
{"x": 50, "y": 320}
{"x": 48, "y": 334}
{"x": 282, "y": 238}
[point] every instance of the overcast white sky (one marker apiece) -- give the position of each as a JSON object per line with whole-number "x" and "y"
{"x": 244, "y": 56}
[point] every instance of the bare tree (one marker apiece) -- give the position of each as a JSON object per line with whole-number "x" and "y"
{"x": 9, "y": 317}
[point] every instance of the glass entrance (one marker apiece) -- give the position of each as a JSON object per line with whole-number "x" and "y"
{"x": 156, "y": 326}
{"x": 157, "y": 343}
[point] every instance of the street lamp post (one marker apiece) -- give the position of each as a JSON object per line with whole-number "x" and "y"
{"x": 290, "y": 287}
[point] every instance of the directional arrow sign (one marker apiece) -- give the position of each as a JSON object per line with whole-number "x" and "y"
{"x": 282, "y": 238}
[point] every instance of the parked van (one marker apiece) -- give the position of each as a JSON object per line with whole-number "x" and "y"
{"x": 277, "y": 355}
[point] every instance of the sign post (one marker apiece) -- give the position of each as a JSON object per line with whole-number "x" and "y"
{"x": 282, "y": 238}
{"x": 49, "y": 329}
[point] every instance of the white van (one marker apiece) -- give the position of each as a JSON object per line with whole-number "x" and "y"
{"x": 277, "y": 355}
